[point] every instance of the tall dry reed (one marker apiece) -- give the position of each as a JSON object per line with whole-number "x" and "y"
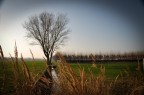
{"x": 78, "y": 83}
{"x": 72, "y": 83}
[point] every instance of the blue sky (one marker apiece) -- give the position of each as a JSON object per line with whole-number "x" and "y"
{"x": 97, "y": 26}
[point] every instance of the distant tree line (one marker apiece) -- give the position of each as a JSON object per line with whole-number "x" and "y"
{"x": 101, "y": 57}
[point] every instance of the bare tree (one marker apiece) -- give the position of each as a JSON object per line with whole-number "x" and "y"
{"x": 49, "y": 31}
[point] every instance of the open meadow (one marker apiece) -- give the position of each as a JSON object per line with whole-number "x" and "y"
{"x": 110, "y": 70}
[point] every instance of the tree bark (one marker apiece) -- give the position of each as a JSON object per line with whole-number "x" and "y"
{"x": 47, "y": 72}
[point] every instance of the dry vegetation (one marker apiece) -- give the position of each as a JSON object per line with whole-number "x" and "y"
{"x": 25, "y": 82}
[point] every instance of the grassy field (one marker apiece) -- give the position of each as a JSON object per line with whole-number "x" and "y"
{"x": 112, "y": 70}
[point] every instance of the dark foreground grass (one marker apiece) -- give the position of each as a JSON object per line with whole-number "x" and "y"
{"x": 7, "y": 74}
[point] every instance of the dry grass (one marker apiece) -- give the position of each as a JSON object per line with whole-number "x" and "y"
{"x": 70, "y": 82}
{"x": 23, "y": 81}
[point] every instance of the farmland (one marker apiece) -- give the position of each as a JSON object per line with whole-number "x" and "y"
{"x": 112, "y": 70}
{"x": 21, "y": 76}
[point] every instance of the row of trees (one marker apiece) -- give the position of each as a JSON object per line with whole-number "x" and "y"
{"x": 100, "y": 57}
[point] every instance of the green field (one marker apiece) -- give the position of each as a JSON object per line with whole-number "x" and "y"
{"x": 112, "y": 69}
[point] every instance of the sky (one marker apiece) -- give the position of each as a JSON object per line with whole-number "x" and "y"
{"x": 97, "y": 26}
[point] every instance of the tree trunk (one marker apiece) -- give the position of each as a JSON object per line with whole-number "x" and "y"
{"x": 48, "y": 73}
